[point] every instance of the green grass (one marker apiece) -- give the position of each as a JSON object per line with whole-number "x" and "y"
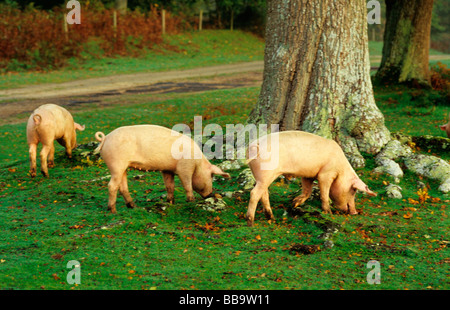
{"x": 47, "y": 222}
{"x": 182, "y": 51}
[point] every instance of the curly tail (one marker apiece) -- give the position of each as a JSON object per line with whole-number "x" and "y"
{"x": 100, "y": 136}
{"x": 37, "y": 119}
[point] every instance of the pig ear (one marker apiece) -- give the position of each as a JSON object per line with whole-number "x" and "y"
{"x": 443, "y": 127}
{"x": 218, "y": 171}
{"x": 79, "y": 127}
{"x": 361, "y": 186}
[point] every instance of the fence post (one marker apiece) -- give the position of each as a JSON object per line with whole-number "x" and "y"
{"x": 66, "y": 28}
{"x": 200, "y": 20}
{"x": 163, "y": 16}
{"x": 115, "y": 23}
{"x": 232, "y": 20}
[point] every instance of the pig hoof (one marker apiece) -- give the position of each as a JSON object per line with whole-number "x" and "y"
{"x": 131, "y": 205}
{"x": 45, "y": 174}
{"x": 51, "y": 164}
{"x": 189, "y": 199}
{"x": 32, "y": 173}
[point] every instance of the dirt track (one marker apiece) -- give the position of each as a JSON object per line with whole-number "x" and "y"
{"x": 80, "y": 93}
{"x": 16, "y": 104}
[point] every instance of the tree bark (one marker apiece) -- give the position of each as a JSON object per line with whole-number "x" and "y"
{"x": 317, "y": 74}
{"x": 406, "y": 42}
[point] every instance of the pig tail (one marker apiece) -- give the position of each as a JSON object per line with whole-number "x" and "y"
{"x": 100, "y": 136}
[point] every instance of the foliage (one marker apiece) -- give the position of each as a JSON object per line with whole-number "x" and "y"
{"x": 35, "y": 39}
{"x": 47, "y": 222}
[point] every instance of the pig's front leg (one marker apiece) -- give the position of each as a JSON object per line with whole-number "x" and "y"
{"x": 186, "y": 180}
{"x": 325, "y": 182}
{"x": 169, "y": 182}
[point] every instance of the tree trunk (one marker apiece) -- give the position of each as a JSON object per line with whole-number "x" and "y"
{"x": 317, "y": 74}
{"x": 406, "y": 42}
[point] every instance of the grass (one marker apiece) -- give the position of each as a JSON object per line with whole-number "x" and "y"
{"x": 182, "y": 51}
{"x": 47, "y": 222}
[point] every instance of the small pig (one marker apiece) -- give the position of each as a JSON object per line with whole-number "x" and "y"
{"x": 152, "y": 147}
{"x": 302, "y": 154}
{"x": 446, "y": 127}
{"x": 47, "y": 123}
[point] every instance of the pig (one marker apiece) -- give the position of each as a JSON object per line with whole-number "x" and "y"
{"x": 305, "y": 155}
{"x": 151, "y": 147}
{"x": 47, "y": 123}
{"x": 446, "y": 127}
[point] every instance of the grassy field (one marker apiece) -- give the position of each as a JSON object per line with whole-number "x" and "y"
{"x": 183, "y": 51}
{"x": 47, "y": 222}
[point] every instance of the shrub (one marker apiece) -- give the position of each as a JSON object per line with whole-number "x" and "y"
{"x": 35, "y": 39}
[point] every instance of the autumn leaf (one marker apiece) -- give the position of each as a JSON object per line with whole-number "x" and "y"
{"x": 408, "y": 215}
{"x": 258, "y": 237}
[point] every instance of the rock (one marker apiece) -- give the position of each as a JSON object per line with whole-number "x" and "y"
{"x": 212, "y": 204}
{"x": 246, "y": 179}
{"x": 393, "y": 149}
{"x": 390, "y": 167}
{"x": 228, "y": 194}
{"x": 401, "y": 137}
{"x": 394, "y": 191}
{"x": 229, "y": 165}
{"x": 445, "y": 186}
{"x": 431, "y": 167}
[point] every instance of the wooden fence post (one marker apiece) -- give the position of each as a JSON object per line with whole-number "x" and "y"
{"x": 232, "y": 20}
{"x": 66, "y": 29}
{"x": 115, "y": 23}
{"x": 163, "y": 16}
{"x": 200, "y": 21}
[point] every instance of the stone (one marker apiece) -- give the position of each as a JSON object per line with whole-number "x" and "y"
{"x": 394, "y": 191}
{"x": 431, "y": 167}
{"x": 389, "y": 167}
{"x": 212, "y": 204}
{"x": 246, "y": 179}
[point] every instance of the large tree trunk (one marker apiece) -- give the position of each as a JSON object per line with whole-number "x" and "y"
{"x": 406, "y": 42}
{"x": 317, "y": 74}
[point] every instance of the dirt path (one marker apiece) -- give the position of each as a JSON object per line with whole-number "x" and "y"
{"x": 98, "y": 92}
{"x": 120, "y": 82}
{"x": 16, "y": 104}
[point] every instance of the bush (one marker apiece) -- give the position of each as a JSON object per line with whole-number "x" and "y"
{"x": 35, "y": 39}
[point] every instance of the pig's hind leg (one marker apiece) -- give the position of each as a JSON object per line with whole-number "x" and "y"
{"x": 46, "y": 148}
{"x": 169, "y": 182}
{"x": 117, "y": 175}
{"x": 306, "y": 192}
{"x": 266, "y": 206}
{"x": 33, "y": 151}
{"x": 123, "y": 189}
{"x": 51, "y": 156}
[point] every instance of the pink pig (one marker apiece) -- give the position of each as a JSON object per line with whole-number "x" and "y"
{"x": 302, "y": 154}
{"x": 446, "y": 127}
{"x": 155, "y": 148}
{"x": 47, "y": 123}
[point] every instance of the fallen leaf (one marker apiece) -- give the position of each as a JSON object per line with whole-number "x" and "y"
{"x": 408, "y": 215}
